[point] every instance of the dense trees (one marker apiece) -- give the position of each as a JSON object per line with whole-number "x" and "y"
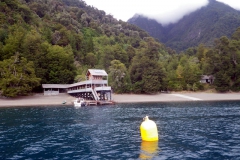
{"x": 59, "y": 67}
{"x": 17, "y": 76}
{"x": 57, "y": 41}
{"x": 147, "y": 74}
{"x": 119, "y": 78}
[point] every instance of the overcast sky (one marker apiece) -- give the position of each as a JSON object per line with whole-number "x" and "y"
{"x": 164, "y": 11}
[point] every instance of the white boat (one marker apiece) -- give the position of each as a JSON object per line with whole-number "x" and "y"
{"x": 79, "y": 102}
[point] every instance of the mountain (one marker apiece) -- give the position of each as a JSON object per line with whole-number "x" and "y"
{"x": 56, "y": 41}
{"x": 202, "y": 26}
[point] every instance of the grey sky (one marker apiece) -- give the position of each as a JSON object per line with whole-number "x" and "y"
{"x": 164, "y": 11}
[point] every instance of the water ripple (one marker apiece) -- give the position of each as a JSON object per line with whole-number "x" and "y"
{"x": 192, "y": 130}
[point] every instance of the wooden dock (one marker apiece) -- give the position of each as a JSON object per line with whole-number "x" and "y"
{"x": 105, "y": 102}
{"x": 93, "y": 102}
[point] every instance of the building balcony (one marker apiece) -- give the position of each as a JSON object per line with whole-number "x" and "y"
{"x": 98, "y": 89}
{"x": 103, "y": 88}
{"x": 88, "y": 82}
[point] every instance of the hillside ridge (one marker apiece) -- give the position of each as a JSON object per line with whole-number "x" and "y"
{"x": 202, "y": 26}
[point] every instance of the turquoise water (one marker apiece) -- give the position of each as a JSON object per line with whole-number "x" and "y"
{"x": 187, "y": 130}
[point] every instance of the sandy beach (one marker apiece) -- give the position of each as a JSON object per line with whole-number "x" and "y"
{"x": 41, "y": 100}
{"x": 174, "y": 97}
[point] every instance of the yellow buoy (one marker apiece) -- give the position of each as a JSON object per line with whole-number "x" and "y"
{"x": 149, "y": 130}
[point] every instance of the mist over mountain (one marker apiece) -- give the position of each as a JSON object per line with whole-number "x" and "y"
{"x": 201, "y": 26}
{"x": 172, "y": 10}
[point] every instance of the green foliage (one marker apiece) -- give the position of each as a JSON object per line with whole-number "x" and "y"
{"x": 13, "y": 42}
{"x": 3, "y": 34}
{"x": 223, "y": 62}
{"x": 221, "y": 82}
{"x": 25, "y": 13}
{"x": 59, "y": 40}
{"x": 90, "y": 60}
{"x": 17, "y": 76}
{"x": 147, "y": 74}
{"x": 236, "y": 34}
{"x": 119, "y": 78}
{"x": 60, "y": 68}
{"x": 236, "y": 86}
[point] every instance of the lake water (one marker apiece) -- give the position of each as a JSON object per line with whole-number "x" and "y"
{"x": 187, "y": 130}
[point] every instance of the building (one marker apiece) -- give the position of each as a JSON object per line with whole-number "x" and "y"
{"x": 94, "y": 88}
{"x": 54, "y": 89}
{"x": 207, "y": 79}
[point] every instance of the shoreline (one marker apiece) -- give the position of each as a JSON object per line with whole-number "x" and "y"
{"x": 176, "y": 97}
{"x": 56, "y": 100}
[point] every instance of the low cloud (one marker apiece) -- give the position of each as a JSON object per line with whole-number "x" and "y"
{"x": 173, "y": 11}
{"x": 163, "y": 11}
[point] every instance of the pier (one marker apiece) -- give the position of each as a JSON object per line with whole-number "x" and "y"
{"x": 93, "y": 102}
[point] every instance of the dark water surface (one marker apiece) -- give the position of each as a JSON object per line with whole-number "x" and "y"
{"x": 187, "y": 130}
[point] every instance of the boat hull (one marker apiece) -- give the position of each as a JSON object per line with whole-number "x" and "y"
{"x": 79, "y": 103}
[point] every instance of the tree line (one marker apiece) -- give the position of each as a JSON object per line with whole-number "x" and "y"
{"x": 56, "y": 42}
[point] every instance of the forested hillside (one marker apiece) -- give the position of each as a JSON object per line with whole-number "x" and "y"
{"x": 56, "y": 41}
{"x": 202, "y": 26}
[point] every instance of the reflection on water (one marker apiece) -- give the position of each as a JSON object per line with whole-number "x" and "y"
{"x": 187, "y": 130}
{"x": 148, "y": 149}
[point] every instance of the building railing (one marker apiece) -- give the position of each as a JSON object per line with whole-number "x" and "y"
{"x": 103, "y": 82}
{"x": 103, "y": 88}
{"x": 89, "y": 89}
{"x": 80, "y": 90}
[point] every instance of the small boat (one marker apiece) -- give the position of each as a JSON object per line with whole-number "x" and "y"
{"x": 79, "y": 102}
{"x": 64, "y": 102}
